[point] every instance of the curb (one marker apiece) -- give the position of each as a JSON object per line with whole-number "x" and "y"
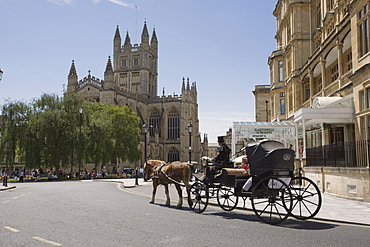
{"x": 8, "y": 188}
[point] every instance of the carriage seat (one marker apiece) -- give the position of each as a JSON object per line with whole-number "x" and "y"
{"x": 239, "y": 173}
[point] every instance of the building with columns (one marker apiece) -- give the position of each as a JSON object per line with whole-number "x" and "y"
{"x": 131, "y": 79}
{"x": 319, "y": 78}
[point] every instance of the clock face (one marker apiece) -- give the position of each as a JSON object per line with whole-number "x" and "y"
{"x": 286, "y": 157}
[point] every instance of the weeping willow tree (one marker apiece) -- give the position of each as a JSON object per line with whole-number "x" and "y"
{"x": 60, "y": 132}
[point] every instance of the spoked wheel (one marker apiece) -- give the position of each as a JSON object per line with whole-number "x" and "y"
{"x": 198, "y": 197}
{"x": 306, "y": 198}
{"x": 226, "y": 198}
{"x": 271, "y": 200}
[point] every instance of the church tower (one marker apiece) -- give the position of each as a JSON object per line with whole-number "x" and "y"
{"x": 136, "y": 66}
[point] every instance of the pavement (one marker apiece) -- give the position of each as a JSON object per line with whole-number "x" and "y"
{"x": 334, "y": 209}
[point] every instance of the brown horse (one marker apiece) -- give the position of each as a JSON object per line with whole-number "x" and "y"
{"x": 165, "y": 174}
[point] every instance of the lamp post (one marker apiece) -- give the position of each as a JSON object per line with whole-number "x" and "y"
{"x": 146, "y": 129}
{"x": 267, "y": 117}
{"x": 1, "y": 74}
{"x": 80, "y": 146}
{"x": 190, "y": 130}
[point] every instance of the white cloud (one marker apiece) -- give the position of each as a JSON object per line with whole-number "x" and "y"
{"x": 119, "y": 2}
{"x": 61, "y": 2}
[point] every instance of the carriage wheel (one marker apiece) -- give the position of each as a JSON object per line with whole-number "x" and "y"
{"x": 306, "y": 198}
{"x": 271, "y": 200}
{"x": 198, "y": 197}
{"x": 226, "y": 198}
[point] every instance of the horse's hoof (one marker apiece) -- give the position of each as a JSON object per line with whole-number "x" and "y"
{"x": 151, "y": 202}
{"x": 179, "y": 207}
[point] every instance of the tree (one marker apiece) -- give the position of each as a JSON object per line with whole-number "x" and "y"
{"x": 14, "y": 127}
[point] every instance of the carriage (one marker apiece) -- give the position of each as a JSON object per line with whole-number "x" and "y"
{"x": 276, "y": 190}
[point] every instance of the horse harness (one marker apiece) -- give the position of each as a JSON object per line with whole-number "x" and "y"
{"x": 158, "y": 171}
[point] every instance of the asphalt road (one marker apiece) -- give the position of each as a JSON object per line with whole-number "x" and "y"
{"x": 106, "y": 214}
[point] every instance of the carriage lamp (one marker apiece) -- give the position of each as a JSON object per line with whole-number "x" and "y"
{"x": 190, "y": 130}
{"x": 1, "y": 74}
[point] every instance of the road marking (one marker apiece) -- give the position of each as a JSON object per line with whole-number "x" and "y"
{"x": 23, "y": 194}
{"x": 14, "y": 198}
{"x": 6, "y": 201}
{"x": 47, "y": 241}
{"x": 11, "y": 229}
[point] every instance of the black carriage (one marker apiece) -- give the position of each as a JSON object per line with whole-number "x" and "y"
{"x": 276, "y": 190}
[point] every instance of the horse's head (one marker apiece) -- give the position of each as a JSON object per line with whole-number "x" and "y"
{"x": 150, "y": 166}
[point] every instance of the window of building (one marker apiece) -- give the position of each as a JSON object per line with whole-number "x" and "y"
{"x": 282, "y": 94}
{"x": 173, "y": 122}
{"x": 173, "y": 155}
{"x": 361, "y": 97}
{"x": 349, "y": 61}
{"x": 307, "y": 94}
{"x": 280, "y": 70}
{"x": 368, "y": 97}
{"x": 334, "y": 73}
{"x": 124, "y": 63}
{"x": 363, "y": 30}
{"x": 136, "y": 61}
{"x": 282, "y": 106}
{"x": 318, "y": 15}
{"x": 154, "y": 119}
{"x": 330, "y": 4}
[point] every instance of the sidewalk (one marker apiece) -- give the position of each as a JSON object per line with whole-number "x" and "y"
{"x": 332, "y": 209}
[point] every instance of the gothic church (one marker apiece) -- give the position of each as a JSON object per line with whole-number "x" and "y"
{"x": 132, "y": 80}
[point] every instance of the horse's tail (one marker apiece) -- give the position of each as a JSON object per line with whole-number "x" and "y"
{"x": 186, "y": 174}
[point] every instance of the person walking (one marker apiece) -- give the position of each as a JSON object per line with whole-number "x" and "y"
{"x": 21, "y": 175}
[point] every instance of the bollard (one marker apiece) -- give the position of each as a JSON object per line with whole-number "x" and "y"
{"x": 5, "y": 181}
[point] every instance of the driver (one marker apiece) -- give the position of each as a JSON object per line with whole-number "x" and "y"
{"x": 223, "y": 151}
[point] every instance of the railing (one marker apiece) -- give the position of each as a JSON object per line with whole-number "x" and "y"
{"x": 348, "y": 154}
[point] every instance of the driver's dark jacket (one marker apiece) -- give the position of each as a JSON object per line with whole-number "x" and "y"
{"x": 223, "y": 154}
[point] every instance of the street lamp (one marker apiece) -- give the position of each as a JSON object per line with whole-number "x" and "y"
{"x": 1, "y": 74}
{"x": 190, "y": 130}
{"x": 146, "y": 129}
{"x": 267, "y": 116}
{"x": 80, "y": 146}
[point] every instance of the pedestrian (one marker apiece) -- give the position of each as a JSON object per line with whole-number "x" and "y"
{"x": 21, "y": 175}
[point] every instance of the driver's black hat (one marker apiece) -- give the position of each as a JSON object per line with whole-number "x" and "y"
{"x": 220, "y": 139}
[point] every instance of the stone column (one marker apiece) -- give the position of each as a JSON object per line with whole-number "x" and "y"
{"x": 323, "y": 74}
{"x": 310, "y": 76}
{"x": 340, "y": 62}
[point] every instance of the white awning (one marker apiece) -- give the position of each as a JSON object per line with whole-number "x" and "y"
{"x": 330, "y": 110}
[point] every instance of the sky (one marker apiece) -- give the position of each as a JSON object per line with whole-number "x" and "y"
{"x": 222, "y": 45}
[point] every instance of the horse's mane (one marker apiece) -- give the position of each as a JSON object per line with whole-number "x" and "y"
{"x": 154, "y": 163}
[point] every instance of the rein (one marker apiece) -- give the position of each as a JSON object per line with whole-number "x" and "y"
{"x": 167, "y": 176}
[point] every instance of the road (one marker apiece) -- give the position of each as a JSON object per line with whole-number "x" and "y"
{"x": 106, "y": 214}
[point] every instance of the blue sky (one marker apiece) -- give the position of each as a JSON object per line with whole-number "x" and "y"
{"x": 222, "y": 45}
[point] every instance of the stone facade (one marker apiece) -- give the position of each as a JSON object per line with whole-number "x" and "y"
{"x": 322, "y": 55}
{"x": 131, "y": 79}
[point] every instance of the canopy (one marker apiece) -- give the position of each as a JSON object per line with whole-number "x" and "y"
{"x": 267, "y": 155}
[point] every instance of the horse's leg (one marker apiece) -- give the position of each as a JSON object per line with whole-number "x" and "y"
{"x": 166, "y": 191}
{"x": 179, "y": 191}
{"x": 155, "y": 185}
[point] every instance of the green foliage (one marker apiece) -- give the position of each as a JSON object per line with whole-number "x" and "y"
{"x": 51, "y": 132}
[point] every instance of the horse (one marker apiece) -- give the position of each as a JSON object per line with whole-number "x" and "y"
{"x": 165, "y": 174}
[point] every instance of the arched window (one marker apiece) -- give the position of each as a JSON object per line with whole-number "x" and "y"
{"x": 154, "y": 118}
{"x": 173, "y": 155}
{"x": 173, "y": 121}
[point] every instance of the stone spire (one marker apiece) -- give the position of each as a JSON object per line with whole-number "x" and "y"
{"x": 108, "y": 75}
{"x": 72, "y": 77}
{"x": 154, "y": 37}
{"x": 127, "y": 39}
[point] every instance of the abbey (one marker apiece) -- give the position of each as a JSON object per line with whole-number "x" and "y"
{"x": 131, "y": 79}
